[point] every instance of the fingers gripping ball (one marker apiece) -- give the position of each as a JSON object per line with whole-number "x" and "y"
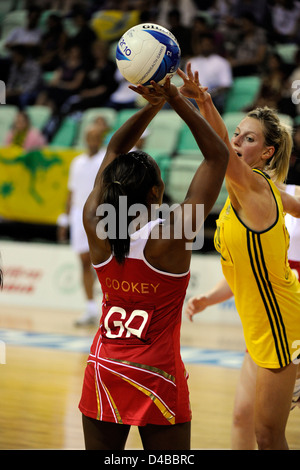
{"x": 147, "y": 52}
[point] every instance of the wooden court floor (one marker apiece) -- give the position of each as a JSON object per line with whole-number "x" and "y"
{"x": 40, "y": 385}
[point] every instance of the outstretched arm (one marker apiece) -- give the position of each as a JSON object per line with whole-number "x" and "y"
{"x": 291, "y": 203}
{"x": 209, "y": 177}
{"x": 124, "y": 139}
{"x": 173, "y": 253}
{"x": 247, "y": 190}
{"x": 219, "y": 293}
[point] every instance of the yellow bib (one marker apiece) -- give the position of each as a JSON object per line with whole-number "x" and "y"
{"x": 266, "y": 290}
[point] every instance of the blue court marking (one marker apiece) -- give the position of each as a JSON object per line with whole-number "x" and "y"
{"x": 190, "y": 355}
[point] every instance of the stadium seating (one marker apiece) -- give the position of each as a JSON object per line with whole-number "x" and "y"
{"x": 88, "y": 117}
{"x": 163, "y": 133}
{"x": 186, "y": 142}
{"x": 179, "y": 175}
{"x": 7, "y": 116}
{"x": 287, "y": 52}
{"x": 242, "y": 93}
{"x": 66, "y": 134}
{"x": 231, "y": 120}
{"x": 12, "y": 20}
{"x": 38, "y": 115}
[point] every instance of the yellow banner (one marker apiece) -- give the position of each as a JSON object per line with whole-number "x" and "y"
{"x": 33, "y": 184}
{"x": 109, "y": 25}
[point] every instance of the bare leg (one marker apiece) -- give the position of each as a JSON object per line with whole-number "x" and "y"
{"x": 91, "y": 315}
{"x": 102, "y": 435}
{"x": 243, "y": 430}
{"x": 169, "y": 437}
{"x": 87, "y": 275}
{"x": 273, "y": 402}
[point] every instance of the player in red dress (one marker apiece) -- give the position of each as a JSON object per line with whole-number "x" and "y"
{"x": 134, "y": 373}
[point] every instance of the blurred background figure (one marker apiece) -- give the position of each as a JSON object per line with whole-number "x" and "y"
{"x": 27, "y": 36}
{"x": 24, "y": 79}
{"x": 214, "y": 70}
{"x": 181, "y": 32}
{"x": 85, "y": 35}
{"x": 285, "y": 19}
{"x": 53, "y": 43}
{"x": 98, "y": 84}
{"x": 249, "y": 51}
{"x": 67, "y": 80}
{"x": 83, "y": 169}
{"x": 122, "y": 97}
{"x": 294, "y": 168}
{"x": 275, "y": 88}
{"x": 24, "y": 135}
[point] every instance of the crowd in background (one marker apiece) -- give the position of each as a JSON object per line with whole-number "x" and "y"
{"x": 63, "y": 57}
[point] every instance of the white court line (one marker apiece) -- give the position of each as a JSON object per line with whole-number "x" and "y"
{"x": 190, "y": 355}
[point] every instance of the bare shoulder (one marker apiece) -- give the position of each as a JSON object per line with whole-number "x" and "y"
{"x": 257, "y": 206}
{"x": 168, "y": 249}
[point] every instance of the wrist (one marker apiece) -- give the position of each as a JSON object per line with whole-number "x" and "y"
{"x": 175, "y": 97}
{"x": 159, "y": 104}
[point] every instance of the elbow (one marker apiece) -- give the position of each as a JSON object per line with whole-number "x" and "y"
{"x": 224, "y": 154}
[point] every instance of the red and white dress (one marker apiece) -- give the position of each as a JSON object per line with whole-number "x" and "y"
{"x": 134, "y": 373}
{"x": 293, "y": 227}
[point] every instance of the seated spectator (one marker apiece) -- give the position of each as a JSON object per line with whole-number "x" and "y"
{"x": 24, "y": 79}
{"x": 272, "y": 79}
{"x": 28, "y": 36}
{"x": 23, "y": 134}
{"x": 67, "y": 80}
{"x": 285, "y": 21}
{"x": 214, "y": 70}
{"x": 99, "y": 82}
{"x": 206, "y": 24}
{"x": 123, "y": 97}
{"x": 259, "y": 8}
{"x": 53, "y": 44}
{"x": 182, "y": 33}
{"x": 187, "y": 9}
{"x": 249, "y": 51}
{"x": 85, "y": 35}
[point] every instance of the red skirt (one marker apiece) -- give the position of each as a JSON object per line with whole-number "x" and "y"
{"x": 132, "y": 392}
{"x": 295, "y": 265}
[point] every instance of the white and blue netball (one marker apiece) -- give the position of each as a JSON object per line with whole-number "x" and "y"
{"x": 147, "y": 52}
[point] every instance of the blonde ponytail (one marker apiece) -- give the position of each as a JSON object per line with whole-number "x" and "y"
{"x": 279, "y": 135}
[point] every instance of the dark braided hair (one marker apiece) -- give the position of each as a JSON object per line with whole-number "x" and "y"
{"x": 131, "y": 175}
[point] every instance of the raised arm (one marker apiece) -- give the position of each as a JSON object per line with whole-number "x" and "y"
{"x": 122, "y": 141}
{"x": 238, "y": 173}
{"x": 208, "y": 179}
{"x": 248, "y": 191}
{"x": 173, "y": 254}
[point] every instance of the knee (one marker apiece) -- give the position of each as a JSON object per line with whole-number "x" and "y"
{"x": 243, "y": 416}
{"x": 269, "y": 438}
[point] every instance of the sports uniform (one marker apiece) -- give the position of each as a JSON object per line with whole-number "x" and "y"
{"x": 266, "y": 290}
{"x": 135, "y": 374}
{"x": 293, "y": 227}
